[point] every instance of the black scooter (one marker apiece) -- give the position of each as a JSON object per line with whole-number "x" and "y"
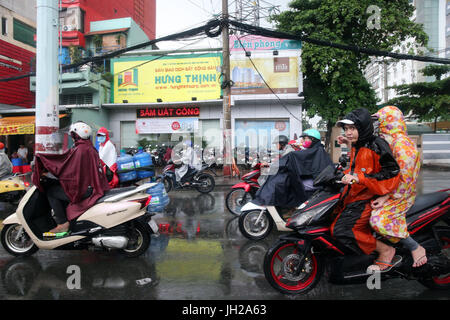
{"x": 199, "y": 179}
{"x": 296, "y": 262}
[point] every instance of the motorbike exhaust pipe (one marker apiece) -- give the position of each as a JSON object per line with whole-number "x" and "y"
{"x": 113, "y": 242}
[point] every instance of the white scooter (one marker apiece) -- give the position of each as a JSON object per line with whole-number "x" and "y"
{"x": 119, "y": 220}
{"x": 256, "y": 222}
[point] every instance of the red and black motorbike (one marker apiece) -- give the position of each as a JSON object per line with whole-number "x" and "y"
{"x": 295, "y": 264}
{"x": 244, "y": 191}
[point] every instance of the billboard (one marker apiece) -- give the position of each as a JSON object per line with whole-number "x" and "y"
{"x": 167, "y": 78}
{"x": 262, "y": 72}
{"x": 253, "y": 43}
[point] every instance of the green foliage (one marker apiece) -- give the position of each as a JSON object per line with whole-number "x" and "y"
{"x": 334, "y": 83}
{"x": 426, "y": 100}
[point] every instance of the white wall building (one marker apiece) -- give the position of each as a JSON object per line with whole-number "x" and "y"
{"x": 435, "y": 17}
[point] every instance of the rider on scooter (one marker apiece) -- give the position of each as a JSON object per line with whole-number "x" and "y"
{"x": 77, "y": 178}
{"x": 372, "y": 172}
{"x": 285, "y": 187}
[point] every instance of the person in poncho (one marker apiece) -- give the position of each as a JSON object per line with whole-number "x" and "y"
{"x": 389, "y": 215}
{"x": 77, "y": 178}
{"x": 108, "y": 155}
{"x": 372, "y": 172}
{"x": 286, "y": 188}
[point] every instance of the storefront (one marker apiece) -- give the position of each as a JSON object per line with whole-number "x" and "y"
{"x": 20, "y": 130}
{"x": 163, "y": 99}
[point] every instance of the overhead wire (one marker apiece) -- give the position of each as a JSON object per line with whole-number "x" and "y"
{"x": 212, "y": 24}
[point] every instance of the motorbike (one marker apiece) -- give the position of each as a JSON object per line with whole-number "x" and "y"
{"x": 13, "y": 187}
{"x": 199, "y": 179}
{"x": 243, "y": 192}
{"x": 256, "y": 222}
{"x": 119, "y": 220}
{"x": 296, "y": 262}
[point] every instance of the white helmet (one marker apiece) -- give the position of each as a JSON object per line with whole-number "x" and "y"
{"x": 82, "y": 129}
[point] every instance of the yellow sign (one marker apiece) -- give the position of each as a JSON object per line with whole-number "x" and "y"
{"x": 167, "y": 79}
{"x": 280, "y": 73}
{"x": 17, "y": 129}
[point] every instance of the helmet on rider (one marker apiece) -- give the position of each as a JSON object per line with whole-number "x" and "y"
{"x": 282, "y": 140}
{"x": 80, "y": 130}
{"x": 312, "y": 133}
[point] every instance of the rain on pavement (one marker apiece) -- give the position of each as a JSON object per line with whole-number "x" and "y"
{"x": 199, "y": 255}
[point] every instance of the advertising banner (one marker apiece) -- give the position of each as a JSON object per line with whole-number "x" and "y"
{"x": 166, "y": 125}
{"x": 167, "y": 79}
{"x": 253, "y": 43}
{"x": 281, "y": 73}
{"x": 17, "y": 129}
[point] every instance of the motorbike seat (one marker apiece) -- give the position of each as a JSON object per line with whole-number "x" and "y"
{"x": 113, "y": 192}
{"x": 425, "y": 201}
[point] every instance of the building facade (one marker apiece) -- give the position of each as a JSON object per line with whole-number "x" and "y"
{"x": 435, "y": 17}
{"x": 166, "y": 97}
{"x": 17, "y": 52}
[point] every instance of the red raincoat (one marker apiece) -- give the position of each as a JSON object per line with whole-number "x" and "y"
{"x": 76, "y": 169}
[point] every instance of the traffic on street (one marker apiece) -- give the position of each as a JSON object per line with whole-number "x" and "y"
{"x": 199, "y": 254}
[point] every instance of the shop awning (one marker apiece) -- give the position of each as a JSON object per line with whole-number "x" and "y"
{"x": 19, "y": 125}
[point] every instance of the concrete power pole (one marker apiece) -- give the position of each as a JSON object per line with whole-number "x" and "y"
{"x": 227, "y": 134}
{"x": 47, "y": 89}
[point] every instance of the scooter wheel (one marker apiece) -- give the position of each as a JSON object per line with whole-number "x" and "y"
{"x": 166, "y": 182}
{"x": 205, "y": 183}
{"x": 254, "y": 225}
{"x": 283, "y": 271}
{"x": 16, "y": 241}
{"x": 236, "y": 199}
{"x": 441, "y": 282}
{"x": 138, "y": 240}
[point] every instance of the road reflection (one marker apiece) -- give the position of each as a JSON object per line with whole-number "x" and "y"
{"x": 199, "y": 254}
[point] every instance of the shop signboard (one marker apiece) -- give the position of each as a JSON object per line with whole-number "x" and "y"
{"x": 167, "y": 79}
{"x": 17, "y": 129}
{"x": 254, "y": 43}
{"x": 180, "y": 119}
{"x": 166, "y": 125}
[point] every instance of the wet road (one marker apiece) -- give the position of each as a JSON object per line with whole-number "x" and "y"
{"x": 200, "y": 255}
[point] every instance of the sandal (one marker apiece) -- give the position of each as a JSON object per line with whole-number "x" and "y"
{"x": 377, "y": 266}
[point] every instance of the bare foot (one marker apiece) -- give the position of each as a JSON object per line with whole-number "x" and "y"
{"x": 419, "y": 257}
{"x": 61, "y": 228}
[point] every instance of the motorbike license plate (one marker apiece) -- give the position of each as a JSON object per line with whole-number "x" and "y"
{"x": 154, "y": 226}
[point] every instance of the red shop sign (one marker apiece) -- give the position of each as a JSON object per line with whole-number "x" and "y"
{"x": 168, "y": 112}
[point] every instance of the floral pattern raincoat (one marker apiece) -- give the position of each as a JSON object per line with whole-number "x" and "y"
{"x": 390, "y": 221}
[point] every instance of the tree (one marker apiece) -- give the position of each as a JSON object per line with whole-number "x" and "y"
{"x": 334, "y": 83}
{"x": 426, "y": 100}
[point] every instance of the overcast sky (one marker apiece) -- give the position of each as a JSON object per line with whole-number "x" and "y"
{"x": 173, "y": 16}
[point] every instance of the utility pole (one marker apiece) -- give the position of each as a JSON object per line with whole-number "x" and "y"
{"x": 47, "y": 86}
{"x": 226, "y": 89}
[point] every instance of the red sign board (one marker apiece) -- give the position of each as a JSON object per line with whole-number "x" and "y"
{"x": 168, "y": 112}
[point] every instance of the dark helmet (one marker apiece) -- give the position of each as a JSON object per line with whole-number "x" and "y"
{"x": 282, "y": 140}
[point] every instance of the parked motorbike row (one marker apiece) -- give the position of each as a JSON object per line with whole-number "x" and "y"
{"x": 297, "y": 261}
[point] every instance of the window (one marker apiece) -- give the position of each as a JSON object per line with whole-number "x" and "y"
{"x": 23, "y": 33}
{"x": 4, "y": 26}
{"x": 71, "y": 99}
